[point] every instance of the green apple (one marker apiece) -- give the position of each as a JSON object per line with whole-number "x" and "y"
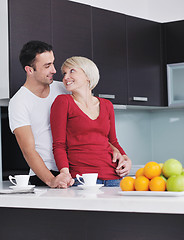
{"x": 175, "y": 183}
{"x": 165, "y": 179}
{"x": 172, "y": 167}
{"x": 161, "y": 165}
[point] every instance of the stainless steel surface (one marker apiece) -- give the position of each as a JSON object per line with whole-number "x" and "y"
{"x": 140, "y": 99}
{"x": 110, "y": 96}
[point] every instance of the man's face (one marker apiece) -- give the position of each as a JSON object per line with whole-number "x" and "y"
{"x": 44, "y": 68}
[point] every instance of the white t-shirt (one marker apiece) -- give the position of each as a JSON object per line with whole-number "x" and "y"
{"x": 25, "y": 108}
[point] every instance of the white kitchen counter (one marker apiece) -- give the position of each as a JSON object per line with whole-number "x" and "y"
{"x": 105, "y": 199}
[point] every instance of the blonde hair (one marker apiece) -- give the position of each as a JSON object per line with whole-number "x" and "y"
{"x": 88, "y": 66}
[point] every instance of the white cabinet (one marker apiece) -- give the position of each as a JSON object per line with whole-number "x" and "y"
{"x": 175, "y": 83}
{"x": 4, "y": 59}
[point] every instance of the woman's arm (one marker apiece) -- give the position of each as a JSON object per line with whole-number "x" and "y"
{"x": 58, "y": 122}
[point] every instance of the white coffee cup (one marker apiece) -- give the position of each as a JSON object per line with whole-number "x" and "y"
{"x": 89, "y": 178}
{"x": 20, "y": 180}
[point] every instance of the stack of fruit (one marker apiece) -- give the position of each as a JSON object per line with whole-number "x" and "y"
{"x": 167, "y": 176}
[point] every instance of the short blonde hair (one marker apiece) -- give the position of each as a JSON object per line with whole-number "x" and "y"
{"x": 88, "y": 66}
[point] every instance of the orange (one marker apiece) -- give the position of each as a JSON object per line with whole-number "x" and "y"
{"x": 139, "y": 172}
{"x": 152, "y": 169}
{"x": 127, "y": 184}
{"x": 141, "y": 183}
{"x": 157, "y": 184}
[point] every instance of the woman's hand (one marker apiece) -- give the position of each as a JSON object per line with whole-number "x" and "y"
{"x": 124, "y": 164}
{"x": 63, "y": 180}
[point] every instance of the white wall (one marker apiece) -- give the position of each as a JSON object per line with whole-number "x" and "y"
{"x": 156, "y": 10}
{"x": 4, "y": 65}
{"x": 0, "y": 150}
{"x": 4, "y": 61}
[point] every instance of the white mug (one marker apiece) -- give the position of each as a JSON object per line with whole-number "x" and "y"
{"x": 89, "y": 178}
{"x": 20, "y": 180}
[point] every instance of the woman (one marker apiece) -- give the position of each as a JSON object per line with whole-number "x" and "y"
{"x": 83, "y": 126}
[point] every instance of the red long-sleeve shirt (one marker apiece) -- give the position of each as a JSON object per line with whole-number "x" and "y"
{"x": 80, "y": 143}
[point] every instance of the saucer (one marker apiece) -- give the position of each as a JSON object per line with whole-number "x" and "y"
{"x": 95, "y": 187}
{"x": 20, "y": 189}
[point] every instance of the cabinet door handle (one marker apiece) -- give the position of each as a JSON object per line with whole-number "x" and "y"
{"x": 111, "y": 96}
{"x": 141, "y": 99}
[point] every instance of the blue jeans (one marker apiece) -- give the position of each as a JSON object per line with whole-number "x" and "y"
{"x": 107, "y": 183}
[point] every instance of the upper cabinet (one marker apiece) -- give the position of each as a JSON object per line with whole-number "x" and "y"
{"x": 127, "y": 50}
{"x": 71, "y": 31}
{"x": 145, "y": 80}
{"x": 28, "y": 20}
{"x": 110, "y": 55}
{"x": 174, "y": 41}
{"x": 65, "y": 25}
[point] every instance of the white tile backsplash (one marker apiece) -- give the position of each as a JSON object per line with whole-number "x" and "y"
{"x": 133, "y": 128}
{"x": 151, "y": 135}
{"x": 167, "y": 130}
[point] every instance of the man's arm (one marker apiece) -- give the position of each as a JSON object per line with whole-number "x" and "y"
{"x": 26, "y": 143}
{"x": 124, "y": 162}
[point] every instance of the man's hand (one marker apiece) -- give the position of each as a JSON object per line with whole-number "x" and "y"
{"x": 124, "y": 164}
{"x": 63, "y": 180}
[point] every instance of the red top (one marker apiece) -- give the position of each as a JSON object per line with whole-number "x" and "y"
{"x": 80, "y": 143}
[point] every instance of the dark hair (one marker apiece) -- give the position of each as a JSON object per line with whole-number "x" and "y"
{"x": 30, "y": 50}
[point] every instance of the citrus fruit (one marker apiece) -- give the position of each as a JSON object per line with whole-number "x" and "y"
{"x": 141, "y": 183}
{"x": 172, "y": 167}
{"x": 157, "y": 184}
{"x": 127, "y": 184}
{"x": 139, "y": 172}
{"x": 152, "y": 169}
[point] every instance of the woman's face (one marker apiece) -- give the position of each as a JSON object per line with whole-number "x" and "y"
{"x": 74, "y": 79}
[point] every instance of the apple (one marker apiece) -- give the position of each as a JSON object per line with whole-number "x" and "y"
{"x": 175, "y": 183}
{"x": 161, "y": 165}
{"x": 165, "y": 179}
{"x": 172, "y": 167}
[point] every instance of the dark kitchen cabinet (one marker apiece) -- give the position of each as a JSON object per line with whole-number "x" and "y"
{"x": 110, "y": 55}
{"x": 128, "y": 52}
{"x": 13, "y": 161}
{"x": 71, "y": 31}
{"x": 145, "y": 63}
{"x": 28, "y": 20}
{"x": 48, "y": 224}
{"x": 64, "y": 24}
{"x": 174, "y": 41}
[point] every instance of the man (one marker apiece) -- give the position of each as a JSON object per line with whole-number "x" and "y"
{"x": 29, "y": 116}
